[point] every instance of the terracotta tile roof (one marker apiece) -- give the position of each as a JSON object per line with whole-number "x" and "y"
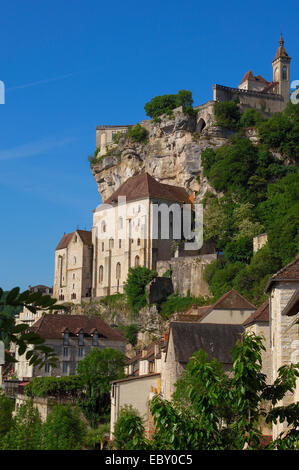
{"x": 83, "y": 234}
{"x": 143, "y": 186}
{"x": 52, "y": 326}
{"x": 290, "y": 272}
{"x": 269, "y": 86}
{"x": 249, "y": 76}
{"x": 261, "y": 315}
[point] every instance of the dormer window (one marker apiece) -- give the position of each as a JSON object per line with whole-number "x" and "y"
{"x": 81, "y": 338}
{"x": 66, "y": 338}
{"x": 95, "y": 339}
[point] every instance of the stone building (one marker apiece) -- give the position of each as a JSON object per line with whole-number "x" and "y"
{"x": 283, "y": 289}
{"x": 257, "y": 92}
{"x": 73, "y": 267}
{"x": 134, "y": 227}
{"x": 104, "y": 136}
{"x": 259, "y": 241}
{"x": 185, "y": 338}
{"x": 72, "y": 337}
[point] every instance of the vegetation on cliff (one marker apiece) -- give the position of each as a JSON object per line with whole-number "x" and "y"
{"x": 257, "y": 193}
{"x": 165, "y": 104}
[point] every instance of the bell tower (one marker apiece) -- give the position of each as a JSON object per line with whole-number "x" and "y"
{"x": 281, "y": 70}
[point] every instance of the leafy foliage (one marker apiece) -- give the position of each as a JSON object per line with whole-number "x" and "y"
{"x": 26, "y": 430}
{"x": 58, "y": 387}
{"x": 138, "y": 134}
{"x": 134, "y": 288}
{"x": 97, "y": 370}
{"x": 250, "y": 118}
{"x": 27, "y": 343}
{"x": 178, "y": 303}
{"x": 95, "y": 438}
{"x": 227, "y": 114}
{"x": 6, "y": 409}
{"x": 131, "y": 333}
{"x": 213, "y": 410}
{"x": 63, "y": 429}
{"x": 281, "y": 132}
{"x": 129, "y": 430}
{"x": 166, "y": 103}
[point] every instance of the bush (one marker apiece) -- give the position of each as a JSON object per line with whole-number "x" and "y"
{"x": 134, "y": 288}
{"x": 63, "y": 429}
{"x": 129, "y": 430}
{"x": 131, "y": 333}
{"x": 138, "y": 133}
{"x": 250, "y": 118}
{"x": 227, "y": 114}
{"x": 239, "y": 250}
{"x": 7, "y": 406}
{"x": 177, "y": 303}
{"x": 166, "y": 103}
{"x": 67, "y": 387}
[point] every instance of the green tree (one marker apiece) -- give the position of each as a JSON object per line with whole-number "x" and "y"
{"x": 7, "y": 406}
{"x": 250, "y": 118}
{"x": 63, "y": 429}
{"x": 137, "y": 280}
{"x": 26, "y": 430}
{"x": 131, "y": 333}
{"x": 129, "y": 430}
{"x": 27, "y": 343}
{"x": 97, "y": 370}
{"x": 227, "y": 114}
{"x": 138, "y": 133}
{"x": 166, "y": 103}
{"x": 95, "y": 438}
{"x": 213, "y": 410}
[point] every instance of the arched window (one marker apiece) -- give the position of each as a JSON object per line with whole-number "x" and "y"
{"x": 111, "y": 243}
{"x": 103, "y": 226}
{"x": 118, "y": 271}
{"x": 75, "y": 260}
{"x": 138, "y": 242}
{"x": 101, "y": 274}
{"x": 137, "y": 261}
{"x": 284, "y": 73}
{"x": 120, "y": 223}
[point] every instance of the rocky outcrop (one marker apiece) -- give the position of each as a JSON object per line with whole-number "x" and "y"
{"x": 172, "y": 154}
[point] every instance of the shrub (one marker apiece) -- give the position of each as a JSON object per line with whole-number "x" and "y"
{"x": 227, "y": 114}
{"x": 138, "y": 133}
{"x": 63, "y": 429}
{"x": 67, "y": 387}
{"x": 131, "y": 333}
{"x": 178, "y": 303}
{"x": 134, "y": 288}
{"x": 129, "y": 430}
{"x": 166, "y": 103}
{"x": 250, "y": 118}
{"x": 239, "y": 250}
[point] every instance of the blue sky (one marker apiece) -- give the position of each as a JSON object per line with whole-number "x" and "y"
{"x": 71, "y": 65}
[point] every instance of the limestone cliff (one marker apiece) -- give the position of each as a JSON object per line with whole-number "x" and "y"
{"x": 172, "y": 154}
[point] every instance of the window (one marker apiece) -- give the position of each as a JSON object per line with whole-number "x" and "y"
{"x": 103, "y": 226}
{"x": 80, "y": 352}
{"x": 61, "y": 297}
{"x": 66, "y": 338}
{"x": 81, "y": 338}
{"x": 119, "y": 243}
{"x": 111, "y": 243}
{"x": 65, "y": 368}
{"x": 120, "y": 223}
{"x": 65, "y": 352}
{"x": 137, "y": 261}
{"x": 284, "y": 73}
{"x": 74, "y": 276}
{"x": 76, "y": 239}
{"x": 47, "y": 368}
{"x": 75, "y": 260}
{"x": 73, "y": 296}
{"x": 101, "y": 274}
{"x": 138, "y": 242}
{"x": 118, "y": 271}
{"x": 95, "y": 339}
{"x": 103, "y": 246}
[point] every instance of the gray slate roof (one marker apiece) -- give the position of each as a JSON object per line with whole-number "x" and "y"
{"x": 217, "y": 340}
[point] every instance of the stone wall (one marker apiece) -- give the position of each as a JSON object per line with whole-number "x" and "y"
{"x": 187, "y": 274}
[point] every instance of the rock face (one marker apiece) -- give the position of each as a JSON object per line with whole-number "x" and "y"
{"x": 172, "y": 154}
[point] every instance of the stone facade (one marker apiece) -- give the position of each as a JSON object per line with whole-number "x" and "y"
{"x": 259, "y": 241}
{"x": 73, "y": 267}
